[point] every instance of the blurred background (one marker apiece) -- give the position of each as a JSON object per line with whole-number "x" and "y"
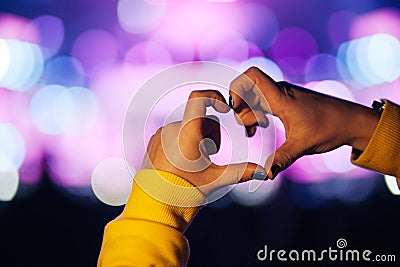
{"x": 68, "y": 70}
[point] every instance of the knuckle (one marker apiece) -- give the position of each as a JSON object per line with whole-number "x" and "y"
{"x": 195, "y": 94}
{"x": 158, "y": 132}
{"x": 252, "y": 71}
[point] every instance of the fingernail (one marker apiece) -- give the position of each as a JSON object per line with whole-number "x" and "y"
{"x": 259, "y": 176}
{"x": 275, "y": 170}
{"x": 262, "y": 124}
{"x": 231, "y": 103}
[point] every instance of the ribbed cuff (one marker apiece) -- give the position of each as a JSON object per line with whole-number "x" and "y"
{"x": 382, "y": 153}
{"x": 163, "y": 197}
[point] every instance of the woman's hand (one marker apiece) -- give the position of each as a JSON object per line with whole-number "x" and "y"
{"x": 183, "y": 148}
{"x": 314, "y": 122}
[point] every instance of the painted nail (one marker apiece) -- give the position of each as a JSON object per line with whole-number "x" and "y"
{"x": 275, "y": 170}
{"x": 262, "y": 124}
{"x": 231, "y": 103}
{"x": 259, "y": 176}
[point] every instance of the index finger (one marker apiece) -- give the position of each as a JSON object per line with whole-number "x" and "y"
{"x": 238, "y": 89}
{"x": 252, "y": 89}
{"x": 197, "y": 104}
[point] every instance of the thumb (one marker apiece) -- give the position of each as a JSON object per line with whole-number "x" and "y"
{"x": 238, "y": 172}
{"x": 284, "y": 156}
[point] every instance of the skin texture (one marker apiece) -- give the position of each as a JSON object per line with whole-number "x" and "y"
{"x": 183, "y": 148}
{"x": 314, "y": 122}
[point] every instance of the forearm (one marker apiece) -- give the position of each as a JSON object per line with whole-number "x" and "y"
{"x": 149, "y": 232}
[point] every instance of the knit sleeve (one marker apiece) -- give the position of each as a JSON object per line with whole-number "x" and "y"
{"x": 382, "y": 153}
{"x": 149, "y": 232}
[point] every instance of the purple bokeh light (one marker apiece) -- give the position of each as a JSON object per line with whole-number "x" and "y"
{"x": 291, "y": 50}
{"x": 50, "y": 33}
{"x": 95, "y": 49}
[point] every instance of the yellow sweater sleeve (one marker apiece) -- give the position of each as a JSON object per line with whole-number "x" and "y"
{"x": 149, "y": 232}
{"x": 382, "y": 153}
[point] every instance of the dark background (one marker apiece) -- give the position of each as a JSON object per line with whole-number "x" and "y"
{"x": 52, "y": 229}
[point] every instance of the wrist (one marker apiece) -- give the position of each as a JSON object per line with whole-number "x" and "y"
{"x": 363, "y": 126}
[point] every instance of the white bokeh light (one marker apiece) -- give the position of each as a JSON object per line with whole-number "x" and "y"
{"x": 84, "y": 113}
{"x": 391, "y": 184}
{"x": 139, "y": 16}
{"x": 372, "y": 60}
{"x": 12, "y": 147}
{"x": 9, "y": 181}
{"x": 332, "y": 88}
{"x": 56, "y": 109}
{"x": 5, "y": 58}
{"x": 22, "y": 66}
{"x": 12, "y": 155}
{"x": 46, "y": 114}
{"x": 112, "y": 181}
{"x": 383, "y": 57}
{"x": 335, "y": 161}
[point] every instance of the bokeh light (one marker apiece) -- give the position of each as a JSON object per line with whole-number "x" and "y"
{"x": 51, "y": 33}
{"x": 322, "y": 67}
{"x": 339, "y": 25}
{"x": 223, "y": 43}
{"x": 148, "y": 53}
{"x": 112, "y": 181}
{"x": 56, "y": 109}
{"x": 16, "y": 27}
{"x": 91, "y": 54}
{"x": 333, "y": 88}
{"x": 384, "y": 20}
{"x": 12, "y": 147}
{"x": 261, "y": 24}
{"x": 22, "y": 66}
{"x": 181, "y": 48}
{"x": 140, "y": 16}
{"x": 291, "y": 50}
{"x": 372, "y": 60}
{"x": 391, "y": 183}
{"x": 67, "y": 71}
{"x": 12, "y": 155}
{"x": 72, "y": 159}
{"x": 335, "y": 161}
{"x": 9, "y": 181}
{"x": 5, "y": 58}
{"x": 46, "y": 113}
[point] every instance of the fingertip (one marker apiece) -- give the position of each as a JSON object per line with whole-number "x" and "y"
{"x": 274, "y": 171}
{"x": 250, "y": 131}
{"x": 221, "y": 107}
